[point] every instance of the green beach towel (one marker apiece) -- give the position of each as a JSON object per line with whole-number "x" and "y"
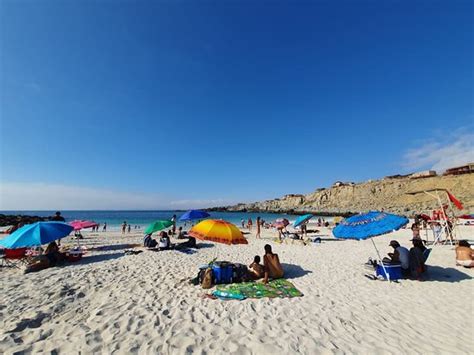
{"x": 276, "y": 288}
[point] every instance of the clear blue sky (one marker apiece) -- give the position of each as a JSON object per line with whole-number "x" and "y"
{"x": 230, "y": 100}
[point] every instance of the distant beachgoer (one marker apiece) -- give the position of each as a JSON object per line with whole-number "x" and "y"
{"x": 242, "y": 221}
{"x": 415, "y": 230}
{"x": 464, "y": 254}
{"x": 57, "y": 217}
{"x": 129, "y": 228}
{"x": 259, "y": 225}
{"x": 181, "y": 234}
{"x": 124, "y": 226}
{"x": 304, "y": 230}
{"x": 249, "y": 224}
{"x": 173, "y": 219}
{"x": 256, "y": 270}
{"x": 271, "y": 264}
{"x": 319, "y": 222}
{"x": 104, "y": 228}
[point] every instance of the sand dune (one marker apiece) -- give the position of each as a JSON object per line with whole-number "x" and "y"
{"x": 111, "y": 302}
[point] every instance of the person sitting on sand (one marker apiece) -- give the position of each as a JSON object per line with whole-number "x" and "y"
{"x": 181, "y": 233}
{"x": 256, "y": 270}
{"x": 417, "y": 258}
{"x": 165, "y": 242}
{"x": 51, "y": 257}
{"x": 149, "y": 242}
{"x": 271, "y": 265}
{"x": 464, "y": 254}
{"x": 400, "y": 255}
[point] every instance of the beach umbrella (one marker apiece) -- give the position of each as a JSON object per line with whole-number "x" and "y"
{"x": 78, "y": 225}
{"x": 158, "y": 226}
{"x": 218, "y": 231}
{"x": 368, "y": 225}
{"x": 36, "y": 234}
{"x": 302, "y": 219}
{"x": 194, "y": 214}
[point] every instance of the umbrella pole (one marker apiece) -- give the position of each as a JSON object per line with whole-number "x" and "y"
{"x": 380, "y": 259}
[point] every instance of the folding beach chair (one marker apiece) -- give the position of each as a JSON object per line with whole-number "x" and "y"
{"x": 13, "y": 257}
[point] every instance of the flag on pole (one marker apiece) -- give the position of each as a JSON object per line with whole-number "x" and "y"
{"x": 455, "y": 201}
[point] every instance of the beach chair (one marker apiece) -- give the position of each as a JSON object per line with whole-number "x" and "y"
{"x": 13, "y": 257}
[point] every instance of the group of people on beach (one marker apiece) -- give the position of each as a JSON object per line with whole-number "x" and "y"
{"x": 271, "y": 268}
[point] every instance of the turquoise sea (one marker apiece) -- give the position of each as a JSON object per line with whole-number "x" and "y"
{"x": 142, "y": 218}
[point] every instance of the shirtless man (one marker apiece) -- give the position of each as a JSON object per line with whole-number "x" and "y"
{"x": 271, "y": 265}
{"x": 464, "y": 254}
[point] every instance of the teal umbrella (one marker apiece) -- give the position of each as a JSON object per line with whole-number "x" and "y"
{"x": 301, "y": 219}
{"x": 158, "y": 226}
{"x": 36, "y": 234}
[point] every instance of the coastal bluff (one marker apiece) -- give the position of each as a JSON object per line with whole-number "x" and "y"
{"x": 389, "y": 194}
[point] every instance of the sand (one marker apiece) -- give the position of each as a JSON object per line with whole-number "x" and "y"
{"x": 115, "y": 303}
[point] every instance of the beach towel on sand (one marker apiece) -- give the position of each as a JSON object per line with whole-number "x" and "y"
{"x": 276, "y": 288}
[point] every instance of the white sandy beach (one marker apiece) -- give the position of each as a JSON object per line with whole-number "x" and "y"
{"x": 115, "y": 303}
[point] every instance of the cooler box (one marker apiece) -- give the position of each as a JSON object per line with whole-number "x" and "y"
{"x": 395, "y": 271}
{"x": 222, "y": 271}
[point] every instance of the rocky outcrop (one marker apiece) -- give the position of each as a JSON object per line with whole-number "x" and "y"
{"x": 390, "y": 194}
{"x": 13, "y": 220}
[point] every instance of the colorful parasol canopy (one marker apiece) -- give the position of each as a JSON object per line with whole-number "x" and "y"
{"x": 302, "y": 219}
{"x": 158, "y": 226}
{"x": 218, "y": 231}
{"x": 367, "y": 225}
{"x": 36, "y": 234}
{"x": 194, "y": 214}
{"x": 78, "y": 225}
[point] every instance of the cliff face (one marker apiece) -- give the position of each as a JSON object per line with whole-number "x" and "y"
{"x": 389, "y": 194}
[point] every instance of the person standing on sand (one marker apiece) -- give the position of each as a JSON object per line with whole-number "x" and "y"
{"x": 242, "y": 221}
{"x": 104, "y": 228}
{"x": 173, "y": 230}
{"x": 129, "y": 228}
{"x": 258, "y": 228}
{"x": 57, "y": 218}
{"x": 124, "y": 226}
{"x": 249, "y": 224}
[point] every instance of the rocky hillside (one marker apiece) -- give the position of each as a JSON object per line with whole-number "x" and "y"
{"x": 389, "y": 194}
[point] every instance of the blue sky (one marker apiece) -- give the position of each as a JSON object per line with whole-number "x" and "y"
{"x": 184, "y": 104}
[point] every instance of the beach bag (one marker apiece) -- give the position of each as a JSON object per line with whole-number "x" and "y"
{"x": 207, "y": 276}
{"x": 239, "y": 273}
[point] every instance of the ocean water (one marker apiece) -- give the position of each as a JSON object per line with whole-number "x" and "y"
{"x": 141, "y": 219}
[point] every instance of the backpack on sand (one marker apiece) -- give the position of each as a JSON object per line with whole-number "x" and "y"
{"x": 207, "y": 279}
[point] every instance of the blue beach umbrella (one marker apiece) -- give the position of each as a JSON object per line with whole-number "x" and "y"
{"x": 194, "y": 214}
{"x": 368, "y": 225}
{"x": 301, "y": 219}
{"x": 36, "y": 234}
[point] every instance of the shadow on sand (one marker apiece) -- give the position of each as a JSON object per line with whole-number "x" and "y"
{"x": 437, "y": 273}
{"x": 294, "y": 271}
{"x": 205, "y": 245}
{"x": 115, "y": 246}
{"x": 97, "y": 258}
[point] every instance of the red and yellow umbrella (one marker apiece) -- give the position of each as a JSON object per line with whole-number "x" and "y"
{"x": 218, "y": 231}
